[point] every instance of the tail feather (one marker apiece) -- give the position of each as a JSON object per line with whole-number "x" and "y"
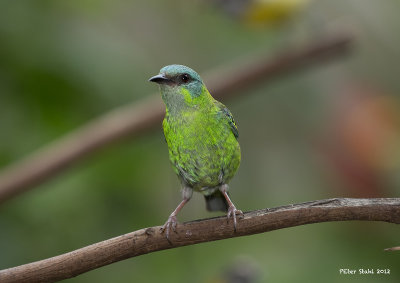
{"x": 216, "y": 202}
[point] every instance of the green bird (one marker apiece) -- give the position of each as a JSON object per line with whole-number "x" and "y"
{"x": 202, "y": 140}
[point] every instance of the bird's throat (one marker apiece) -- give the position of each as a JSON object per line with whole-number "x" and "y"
{"x": 180, "y": 102}
{"x": 174, "y": 101}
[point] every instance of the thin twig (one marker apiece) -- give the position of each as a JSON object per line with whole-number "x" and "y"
{"x": 151, "y": 240}
{"x": 136, "y": 118}
{"x": 392, "y": 249}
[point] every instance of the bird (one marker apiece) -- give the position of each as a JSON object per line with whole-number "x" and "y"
{"x": 202, "y": 139}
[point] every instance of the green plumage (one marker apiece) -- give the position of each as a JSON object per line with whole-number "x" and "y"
{"x": 201, "y": 136}
{"x": 202, "y": 144}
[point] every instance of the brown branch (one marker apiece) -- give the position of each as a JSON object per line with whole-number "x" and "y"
{"x": 392, "y": 249}
{"x": 151, "y": 240}
{"x": 136, "y": 118}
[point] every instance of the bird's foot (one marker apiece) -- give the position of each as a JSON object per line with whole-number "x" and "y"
{"x": 232, "y": 212}
{"x": 170, "y": 224}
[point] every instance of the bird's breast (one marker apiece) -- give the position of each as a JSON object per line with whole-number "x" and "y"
{"x": 201, "y": 150}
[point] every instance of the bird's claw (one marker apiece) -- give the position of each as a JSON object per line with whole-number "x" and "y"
{"x": 232, "y": 212}
{"x": 171, "y": 223}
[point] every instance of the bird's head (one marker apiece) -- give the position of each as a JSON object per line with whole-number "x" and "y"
{"x": 180, "y": 86}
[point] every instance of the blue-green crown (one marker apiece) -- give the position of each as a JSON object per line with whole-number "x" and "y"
{"x": 176, "y": 70}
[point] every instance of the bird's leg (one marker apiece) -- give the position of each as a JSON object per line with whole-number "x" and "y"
{"x": 172, "y": 221}
{"x": 232, "y": 211}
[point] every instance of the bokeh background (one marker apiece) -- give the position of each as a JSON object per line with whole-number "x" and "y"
{"x": 328, "y": 131}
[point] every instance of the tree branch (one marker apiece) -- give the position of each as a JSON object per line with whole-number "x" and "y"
{"x": 136, "y": 118}
{"x": 392, "y": 249}
{"x": 151, "y": 240}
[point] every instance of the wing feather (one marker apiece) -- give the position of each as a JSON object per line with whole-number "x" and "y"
{"x": 226, "y": 114}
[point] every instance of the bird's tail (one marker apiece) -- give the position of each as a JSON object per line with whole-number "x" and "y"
{"x": 216, "y": 202}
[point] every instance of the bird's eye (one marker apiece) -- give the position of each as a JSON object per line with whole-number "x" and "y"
{"x": 185, "y": 78}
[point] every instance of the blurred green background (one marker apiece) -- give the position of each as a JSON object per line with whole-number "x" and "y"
{"x": 329, "y": 131}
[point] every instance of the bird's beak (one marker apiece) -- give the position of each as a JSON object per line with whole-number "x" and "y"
{"x": 160, "y": 79}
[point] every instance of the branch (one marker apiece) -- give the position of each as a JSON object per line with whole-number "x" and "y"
{"x": 136, "y": 118}
{"x": 151, "y": 240}
{"x": 392, "y": 249}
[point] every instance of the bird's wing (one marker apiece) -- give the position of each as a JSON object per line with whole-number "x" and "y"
{"x": 226, "y": 114}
